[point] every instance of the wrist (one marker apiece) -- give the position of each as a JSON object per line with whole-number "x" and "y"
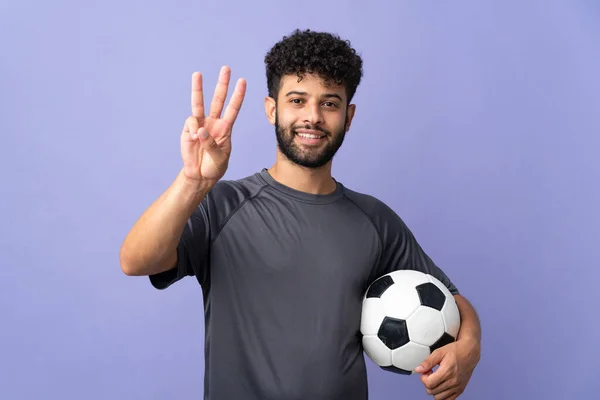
{"x": 470, "y": 340}
{"x": 189, "y": 189}
{"x": 471, "y": 344}
{"x": 467, "y": 337}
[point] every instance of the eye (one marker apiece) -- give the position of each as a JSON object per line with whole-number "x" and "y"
{"x": 330, "y": 104}
{"x": 296, "y": 101}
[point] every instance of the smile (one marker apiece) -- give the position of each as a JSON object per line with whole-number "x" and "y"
{"x": 310, "y": 135}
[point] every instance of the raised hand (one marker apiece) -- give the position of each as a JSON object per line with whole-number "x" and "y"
{"x": 206, "y": 140}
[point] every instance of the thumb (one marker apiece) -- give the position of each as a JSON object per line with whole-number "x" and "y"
{"x": 214, "y": 160}
{"x": 208, "y": 143}
{"x": 430, "y": 362}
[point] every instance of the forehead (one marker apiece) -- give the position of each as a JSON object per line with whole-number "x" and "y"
{"x": 310, "y": 84}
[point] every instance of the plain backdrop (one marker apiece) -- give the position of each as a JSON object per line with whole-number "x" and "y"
{"x": 477, "y": 121}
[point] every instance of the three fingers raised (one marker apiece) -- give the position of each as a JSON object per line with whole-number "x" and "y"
{"x": 220, "y": 94}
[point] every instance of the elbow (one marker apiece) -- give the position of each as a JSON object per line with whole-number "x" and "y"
{"x": 136, "y": 262}
{"x": 128, "y": 265}
{"x": 126, "y": 268}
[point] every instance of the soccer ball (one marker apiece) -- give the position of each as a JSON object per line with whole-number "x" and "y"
{"x": 406, "y": 315}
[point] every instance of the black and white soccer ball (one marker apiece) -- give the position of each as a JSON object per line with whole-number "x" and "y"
{"x": 406, "y": 315}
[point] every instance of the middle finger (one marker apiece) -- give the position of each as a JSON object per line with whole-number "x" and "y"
{"x": 216, "y": 106}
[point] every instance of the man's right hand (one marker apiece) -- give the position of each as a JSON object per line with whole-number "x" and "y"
{"x": 206, "y": 140}
{"x": 151, "y": 245}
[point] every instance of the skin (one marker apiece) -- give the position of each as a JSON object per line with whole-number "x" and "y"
{"x": 309, "y": 105}
{"x": 314, "y": 104}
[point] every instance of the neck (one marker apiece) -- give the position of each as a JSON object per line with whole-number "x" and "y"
{"x": 309, "y": 180}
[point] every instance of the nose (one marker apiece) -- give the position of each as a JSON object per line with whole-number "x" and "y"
{"x": 314, "y": 114}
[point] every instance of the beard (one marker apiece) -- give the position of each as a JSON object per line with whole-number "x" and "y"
{"x": 308, "y": 157}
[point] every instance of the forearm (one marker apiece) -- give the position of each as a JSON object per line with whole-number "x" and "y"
{"x": 150, "y": 246}
{"x": 470, "y": 327}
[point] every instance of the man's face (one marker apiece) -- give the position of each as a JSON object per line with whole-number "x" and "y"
{"x": 311, "y": 120}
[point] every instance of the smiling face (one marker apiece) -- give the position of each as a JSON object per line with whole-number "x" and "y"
{"x": 311, "y": 119}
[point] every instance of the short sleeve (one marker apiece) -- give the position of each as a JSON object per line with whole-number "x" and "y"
{"x": 400, "y": 250}
{"x": 192, "y": 251}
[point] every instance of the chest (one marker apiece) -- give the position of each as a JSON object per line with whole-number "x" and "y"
{"x": 300, "y": 247}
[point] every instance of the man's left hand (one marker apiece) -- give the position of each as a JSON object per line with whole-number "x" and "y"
{"x": 456, "y": 364}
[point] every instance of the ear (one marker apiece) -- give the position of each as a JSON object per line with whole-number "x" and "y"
{"x": 350, "y": 115}
{"x": 270, "y": 109}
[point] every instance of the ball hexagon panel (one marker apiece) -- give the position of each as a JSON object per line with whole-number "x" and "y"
{"x": 409, "y": 277}
{"x": 372, "y": 316}
{"x": 400, "y": 300}
{"x": 409, "y": 356}
{"x": 451, "y": 317}
{"x": 376, "y": 350}
{"x": 425, "y": 326}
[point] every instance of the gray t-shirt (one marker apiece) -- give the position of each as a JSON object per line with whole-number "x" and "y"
{"x": 283, "y": 275}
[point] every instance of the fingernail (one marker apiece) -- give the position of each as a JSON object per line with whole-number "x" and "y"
{"x": 419, "y": 369}
{"x": 203, "y": 133}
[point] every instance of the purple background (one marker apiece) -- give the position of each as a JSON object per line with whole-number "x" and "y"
{"x": 478, "y": 123}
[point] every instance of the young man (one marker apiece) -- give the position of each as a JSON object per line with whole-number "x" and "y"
{"x": 284, "y": 256}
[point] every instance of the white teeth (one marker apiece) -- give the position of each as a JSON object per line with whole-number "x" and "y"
{"x": 309, "y": 136}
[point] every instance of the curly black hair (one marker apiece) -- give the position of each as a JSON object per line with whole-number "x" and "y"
{"x": 320, "y": 53}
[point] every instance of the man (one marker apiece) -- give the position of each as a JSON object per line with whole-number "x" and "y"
{"x": 285, "y": 255}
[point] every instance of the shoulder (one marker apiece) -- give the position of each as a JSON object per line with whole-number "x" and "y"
{"x": 228, "y": 195}
{"x": 237, "y": 190}
{"x": 388, "y": 224}
{"x": 377, "y": 210}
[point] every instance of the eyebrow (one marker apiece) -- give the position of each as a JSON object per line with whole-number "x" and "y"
{"x": 326, "y": 95}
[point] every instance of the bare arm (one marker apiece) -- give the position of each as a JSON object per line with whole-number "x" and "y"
{"x": 151, "y": 245}
{"x": 470, "y": 327}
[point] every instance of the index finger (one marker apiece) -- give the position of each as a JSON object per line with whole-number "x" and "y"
{"x": 197, "y": 95}
{"x": 233, "y": 108}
